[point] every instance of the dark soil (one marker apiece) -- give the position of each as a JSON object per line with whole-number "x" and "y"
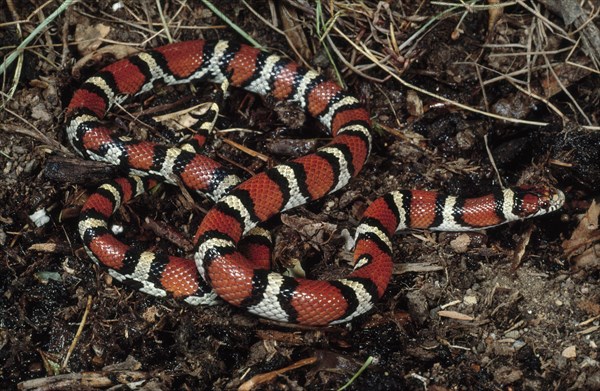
{"x": 518, "y": 320}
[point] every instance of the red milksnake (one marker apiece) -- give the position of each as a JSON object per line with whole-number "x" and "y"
{"x": 231, "y": 275}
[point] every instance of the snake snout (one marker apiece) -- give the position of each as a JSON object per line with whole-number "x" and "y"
{"x": 539, "y": 200}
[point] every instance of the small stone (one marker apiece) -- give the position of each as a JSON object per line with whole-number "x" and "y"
{"x": 514, "y": 334}
{"x": 19, "y": 150}
{"x": 461, "y": 243}
{"x": 40, "y": 112}
{"x": 417, "y": 306}
{"x": 39, "y": 217}
{"x": 117, "y": 6}
{"x": 30, "y": 166}
{"x": 507, "y": 375}
{"x": 570, "y": 352}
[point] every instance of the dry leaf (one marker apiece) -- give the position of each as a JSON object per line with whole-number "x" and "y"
{"x": 292, "y": 25}
{"x": 583, "y": 246}
{"x": 414, "y": 104}
{"x": 116, "y": 51}
{"x": 183, "y": 119}
{"x": 89, "y": 38}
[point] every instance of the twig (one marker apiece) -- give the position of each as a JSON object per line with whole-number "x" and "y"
{"x": 33, "y": 133}
{"x": 234, "y": 26}
{"x": 164, "y": 22}
{"x": 265, "y": 377}
{"x": 366, "y": 53}
{"x": 278, "y": 30}
{"x": 566, "y": 91}
{"x": 88, "y": 306}
{"x": 19, "y": 66}
{"x": 11, "y": 57}
{"x": 492, "y": 161}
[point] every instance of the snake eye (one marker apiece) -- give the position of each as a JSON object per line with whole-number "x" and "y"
{"x": 537, "y": 200}
{"x": 550, "y": 199}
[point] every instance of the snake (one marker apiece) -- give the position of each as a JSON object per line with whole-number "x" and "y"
{"x": 219, "y": 270}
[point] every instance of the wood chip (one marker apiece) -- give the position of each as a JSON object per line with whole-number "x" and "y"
{"x": 589, "y": 330}
{"x": 455, "y": 315}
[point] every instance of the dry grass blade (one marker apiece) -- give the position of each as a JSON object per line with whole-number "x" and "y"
{"x": 234, "y": 26}
{"x": 523, "y": 54}
{"x": 33, "y": 132}
{"x": 572, "y": 13}
{"x": 267, "y": 377}
{"x": 368, "y": 54}
{"x": 13, "y": 55}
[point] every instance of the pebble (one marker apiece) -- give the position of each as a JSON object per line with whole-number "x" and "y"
{"x": 417, "y": 306}
{"x": 30, "y": 166}
{"x": 514, "y": 334}
{"x": 461, "y": 243}
{"x": 39, "y": 217}
{"x": 570, "y": 352}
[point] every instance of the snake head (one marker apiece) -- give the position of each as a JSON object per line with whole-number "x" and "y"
{"x": 531, "y": 201}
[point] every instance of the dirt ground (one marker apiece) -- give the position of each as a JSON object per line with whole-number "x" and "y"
{"x": 464, "y": 98}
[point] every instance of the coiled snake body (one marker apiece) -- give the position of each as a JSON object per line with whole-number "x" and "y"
{"x": 239, "y": 208}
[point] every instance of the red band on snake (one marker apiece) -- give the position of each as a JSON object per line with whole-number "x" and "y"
{"x": 230, "y": 274}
